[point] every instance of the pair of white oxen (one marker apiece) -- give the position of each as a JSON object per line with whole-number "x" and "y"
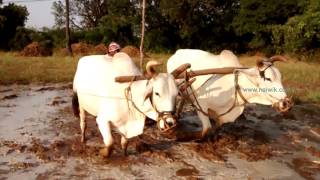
{"x": 125, "y": 106}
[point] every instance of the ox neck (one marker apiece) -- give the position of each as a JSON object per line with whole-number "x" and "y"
{"x": 246, "y": 88}
{"x": 138, "y": 92}
{"x": 250, "y": 90}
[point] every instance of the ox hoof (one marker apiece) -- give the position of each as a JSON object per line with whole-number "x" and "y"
{"x": 105, "y": 152}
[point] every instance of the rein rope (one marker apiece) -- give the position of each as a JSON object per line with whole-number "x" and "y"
{"x": 128, "y": 95}
{"x": 236, "y": 92}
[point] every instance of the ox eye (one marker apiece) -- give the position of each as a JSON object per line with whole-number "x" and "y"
{"x": 156, "y": 93}
{"x": 268, "y": 79}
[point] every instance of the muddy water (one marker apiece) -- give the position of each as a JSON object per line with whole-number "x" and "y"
{"x": 40, "y": 139}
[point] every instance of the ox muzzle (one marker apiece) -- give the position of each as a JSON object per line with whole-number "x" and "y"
{"x": 283, "y": 105}
{"x": 166, "y": 121}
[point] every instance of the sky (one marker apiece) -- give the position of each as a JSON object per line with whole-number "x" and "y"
{"x": 40, "y": 12}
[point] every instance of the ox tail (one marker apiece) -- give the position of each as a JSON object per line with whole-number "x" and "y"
{"x": 75, "y": 104}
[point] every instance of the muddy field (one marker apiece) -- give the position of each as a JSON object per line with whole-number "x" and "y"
{"x": 40, "y": 139}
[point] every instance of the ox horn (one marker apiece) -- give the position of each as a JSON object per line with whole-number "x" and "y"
{"x": 260, "y": 61}
{"x": 277, "y": 58}
{"x": 180, "y": 69}
{"x": 150, "y": 68}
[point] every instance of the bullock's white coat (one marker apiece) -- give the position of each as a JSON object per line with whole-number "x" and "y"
{"x": 202, "y": 60}
{"x": 101, "y": 96}
{"x": 217, "y": 91}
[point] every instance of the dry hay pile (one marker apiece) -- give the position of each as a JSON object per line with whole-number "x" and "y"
{"x": 81, "y": 48}
{"x": 100, "y": 49}
{"x": 35, "y": 49}
{"x": 132, "y": 51}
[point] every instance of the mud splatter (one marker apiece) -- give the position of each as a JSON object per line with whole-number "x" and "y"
{"x": 251, "y": 144}
{"x": 13, "y": 146}
{"x": 52, "y": 88}
{"x": 12, "y": 96}
{"x": 5, "y": 90}
{"x": 22, "y": 165}
{"x": 51, "y": 138}
{"x": 313, "y": 151}
{"x": 190, "y": 170}
{"x": 57, "y": 101}
{"x": 305, "y": 167}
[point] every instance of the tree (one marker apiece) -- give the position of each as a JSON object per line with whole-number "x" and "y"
{"x": 22, "y": 38}
{"x": 142, "y": 32}
{"x": 120, "y": 22}
{"x": 300, "y": 32}
{"x": 68, "y": 42}
{"x": 11, "y": 17}
{"x": 200, "y": 24}
{"x": 83, "y": 13}
{"x": 59, "y": 11}
{"x": 252, "y": 24}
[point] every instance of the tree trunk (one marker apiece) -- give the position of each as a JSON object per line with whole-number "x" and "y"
{"x": 68, "y": 43}
{"x": 142, "y": 33}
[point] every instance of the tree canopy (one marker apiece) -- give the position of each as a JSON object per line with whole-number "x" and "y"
{"x": 11, "y": 17}
{"x": 239, "y": 25}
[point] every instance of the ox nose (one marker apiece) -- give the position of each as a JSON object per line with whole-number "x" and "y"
{"x": 166, "y": 121}
{"x": 284, "y": 105}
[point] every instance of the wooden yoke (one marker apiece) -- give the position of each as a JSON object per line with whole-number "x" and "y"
{"x": 175, "y": 73}
{"x": 124, "y": 79}
{"x": 225, "y": 70}
{"x": 179, "y": 70}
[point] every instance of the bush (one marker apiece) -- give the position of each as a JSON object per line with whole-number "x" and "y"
{"x": 21, "y": 39}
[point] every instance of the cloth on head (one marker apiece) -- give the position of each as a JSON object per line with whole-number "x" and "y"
{"x": 113, "y": 46}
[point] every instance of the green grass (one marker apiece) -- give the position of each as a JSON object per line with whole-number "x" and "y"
{"x": 301, "y": 79}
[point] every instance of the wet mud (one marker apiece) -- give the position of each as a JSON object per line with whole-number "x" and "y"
{"x": 40, "y": 139}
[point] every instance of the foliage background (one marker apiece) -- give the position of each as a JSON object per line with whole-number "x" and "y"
{"x": 273, "y": 26}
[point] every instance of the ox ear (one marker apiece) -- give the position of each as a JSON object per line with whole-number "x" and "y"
{"x": 147, "y": 95}
{"x": 260, "y": 62}
{"x": 148, "y": 92}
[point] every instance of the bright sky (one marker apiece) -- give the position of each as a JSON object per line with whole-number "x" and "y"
{"x": 40, "y": 12}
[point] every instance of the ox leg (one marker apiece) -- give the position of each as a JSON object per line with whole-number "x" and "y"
{"x": 105, "y": 130}
{"x": 124, "y": 145}
{"x": 206, "y": 125}
{"x": 83, "y": 125}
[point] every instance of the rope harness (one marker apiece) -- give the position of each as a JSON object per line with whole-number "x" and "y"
{"x": 128, "y": 95}
{"x": 161, "y": 115}
{"x": 199, "y": 108}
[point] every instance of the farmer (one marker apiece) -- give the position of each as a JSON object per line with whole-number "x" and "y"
{"x": 113, "y": 48}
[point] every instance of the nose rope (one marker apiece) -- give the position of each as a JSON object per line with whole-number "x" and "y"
{"x": 162, "y": 115}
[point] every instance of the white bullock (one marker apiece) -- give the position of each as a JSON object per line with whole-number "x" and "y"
{"x": 218, "y": 95}
{"x": 122, "y": 106}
